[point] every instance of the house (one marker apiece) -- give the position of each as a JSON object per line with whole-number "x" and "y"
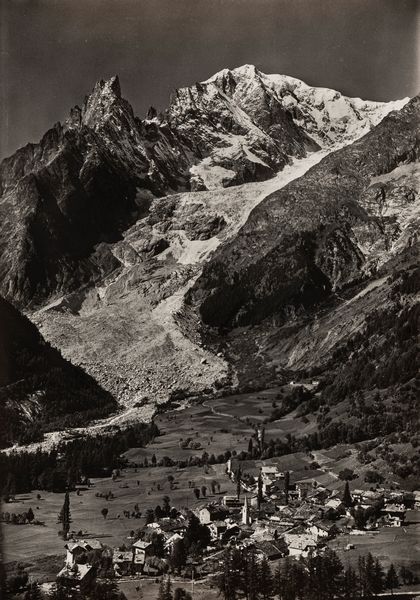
{"x": 232, "y": 530}
{"x": 232, "y": 502}
{"x": 285, "y": 511}
{"x": 169, "y": 544}
{"x": 122, "y": 561}
{"x": 274, "y": 489}
{"x": 416, "y": 496}
{"x": 80, "y": 577}
{"x": 157, "y": 527}
{"x": 271, "y": 550}
{"x": 271, "y": 472}
{"x": 271, "y": 479}
{"x": 323, "y": 529}
{"x": 307, "y": 513}
{"x": 300, "y": 544}
{"x": 298, "y": 529}
{"x": 373, "y": 495}
{"x": 394, "y": 514}
{"x": 75, "y": 550}
{"x": 141, "y": 550}
{"x": 217, "y": 529}
{"x": 320, "y": 496}
{"x": 247, "y": 467}
{"x": 304, "y": 488}
{"x": 334, "y": 504}
{"x": 262, "y": 531}
{"x": 170, "y": 526}
{"x": 253, "y": 500}
{"x": 367, "y": 498}
{"x": 211, "y": 513}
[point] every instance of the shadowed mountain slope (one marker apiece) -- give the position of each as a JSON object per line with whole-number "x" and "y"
{"x": 39, "y": 389}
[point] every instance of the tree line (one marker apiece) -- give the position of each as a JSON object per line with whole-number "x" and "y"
{"x": 63, "y": 467}
{"x": 317, "y": 577}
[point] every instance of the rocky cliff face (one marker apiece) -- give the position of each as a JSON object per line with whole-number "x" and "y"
{"x": 83, "y": 184}
{"x": 142, "y": 247}
{"x": 93, "y": 176}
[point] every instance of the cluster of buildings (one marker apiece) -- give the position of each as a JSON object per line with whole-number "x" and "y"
{"x": 299, "y": 517}
{"x": 274, "y": 515}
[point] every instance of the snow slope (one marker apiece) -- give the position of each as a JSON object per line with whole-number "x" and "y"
{"x": 327, "y": 115}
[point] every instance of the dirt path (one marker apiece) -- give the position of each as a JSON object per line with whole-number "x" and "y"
{"x": 219, "y": 414}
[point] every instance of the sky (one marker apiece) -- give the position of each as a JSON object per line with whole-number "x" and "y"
{"x": 53, "y": 51}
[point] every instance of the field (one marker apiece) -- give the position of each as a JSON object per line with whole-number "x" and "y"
{"x": 26, "y": 542}
{"x": 219, "y": 425}
{"x": 398, "y": 545}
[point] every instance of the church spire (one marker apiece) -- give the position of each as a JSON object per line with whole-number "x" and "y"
{"x": 245, "y": 512}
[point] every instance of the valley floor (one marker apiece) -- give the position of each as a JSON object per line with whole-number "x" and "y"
{"x": 215, "y": 426}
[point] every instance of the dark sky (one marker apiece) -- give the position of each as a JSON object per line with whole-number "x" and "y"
{"x": 53, "y": 51}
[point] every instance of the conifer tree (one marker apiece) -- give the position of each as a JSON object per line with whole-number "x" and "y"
{"x": 168, "y": 589}
{"x": 278, "y": 583}
{"x": 259, "y": 492}
{"x": 226, "y": 583}
{"x": 64, "y": 516}
{"x": 378, "y": 577}
{"x": 250, "y": 446}
{"x": 286, "y": 486}
{"x": 165, "y": 589}
{"x": 265, "y": 580}
{"x": 178, "y": 555}
{"x": 251, "y": 576}
{"x": 391, "y": 580}
{"x": 162, "y": 589}
{"x": 238, "y": 482}
{"x": 370, "y": 574}
{"x": 347, "y": 500}
{"x": 350, "y": 584}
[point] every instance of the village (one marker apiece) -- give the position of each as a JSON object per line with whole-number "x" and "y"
{"x": 271, "y": 513}
{"x": 180, "y": 505}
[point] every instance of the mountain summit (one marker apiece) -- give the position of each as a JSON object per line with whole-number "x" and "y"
{"x": 325, "y": 114}
{"x": 90, "y": 178}
{"x": 144, "y": 249}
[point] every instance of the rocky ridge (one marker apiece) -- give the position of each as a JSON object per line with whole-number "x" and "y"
{"x": 93, "y": 176}
{"x": 102, "y": 239}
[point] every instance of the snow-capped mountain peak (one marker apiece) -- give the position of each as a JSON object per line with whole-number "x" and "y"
{"x": 329, "y": 117}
